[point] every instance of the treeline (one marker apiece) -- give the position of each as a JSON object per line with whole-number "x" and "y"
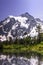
{"x": 27, "y": 40}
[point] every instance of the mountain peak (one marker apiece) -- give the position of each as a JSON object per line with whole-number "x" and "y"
{"x": 17, "y": 26}
{"x": 26, "y": 14}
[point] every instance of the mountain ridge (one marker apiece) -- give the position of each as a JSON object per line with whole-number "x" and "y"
{"x": 17, "y": 26}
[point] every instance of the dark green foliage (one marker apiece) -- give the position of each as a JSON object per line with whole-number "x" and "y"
{"x": 41, "y": 36}
{"x": 21, "y": 41}
{"x": 39, "y": 31}
{"x": 27, "y": 40}
{"x": 23, "y": 45}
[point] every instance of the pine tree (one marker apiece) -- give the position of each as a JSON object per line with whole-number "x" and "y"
{"x": 39, "y": 32}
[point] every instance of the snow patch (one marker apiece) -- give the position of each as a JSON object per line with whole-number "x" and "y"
{"x": 6, "y": 21}
{"x": 22, "y": 20}
{"x": 2, "y": 38}
{"x": 9, "y": 35}
{"x": 33, "y": 32}
{"x": 21, "y": 37}
{"x": 14, "y": 26}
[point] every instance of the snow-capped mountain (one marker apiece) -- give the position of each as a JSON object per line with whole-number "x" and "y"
{"x": 19, "y": 26}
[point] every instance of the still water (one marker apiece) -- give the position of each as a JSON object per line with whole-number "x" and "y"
{"x": 20, "y": 60}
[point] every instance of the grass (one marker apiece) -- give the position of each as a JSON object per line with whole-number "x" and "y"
{"x": 19, "y": 48}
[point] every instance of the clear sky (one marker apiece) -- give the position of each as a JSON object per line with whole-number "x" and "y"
{"x": 17, "y": 7}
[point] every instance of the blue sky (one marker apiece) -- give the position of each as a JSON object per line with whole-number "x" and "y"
{"x": 17, "y": 7}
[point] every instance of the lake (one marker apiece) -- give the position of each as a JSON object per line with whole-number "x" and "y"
{"x": 21, "y": 59}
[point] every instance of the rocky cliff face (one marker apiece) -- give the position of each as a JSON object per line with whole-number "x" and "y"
{"x": 14, "y": 27}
